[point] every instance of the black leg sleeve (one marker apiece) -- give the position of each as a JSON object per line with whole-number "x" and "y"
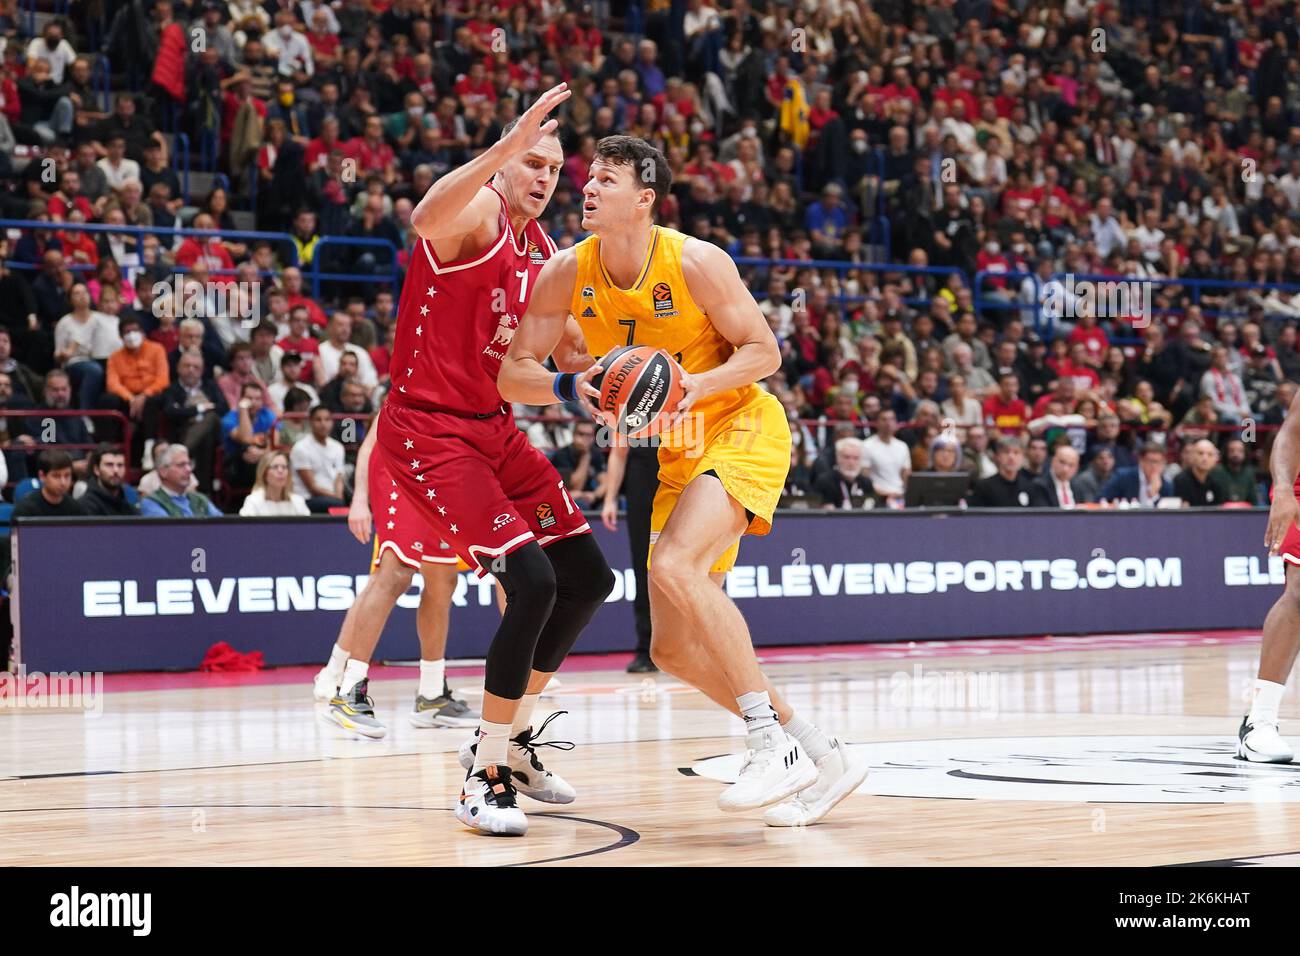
{"x": 529, "y": 581}
{"x": 582, "y": 582}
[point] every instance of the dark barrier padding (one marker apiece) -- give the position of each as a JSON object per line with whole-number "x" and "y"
{"x": 117, "y": 595}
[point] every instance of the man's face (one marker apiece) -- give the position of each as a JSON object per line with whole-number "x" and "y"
{"x": 58, "y": 391}
{"x": 321, "y": 423}
{"x": 1009, "y": 459}
{"x": 886, "y": 424}
{"x": 57, "y": 483}
{"x": 614, "y": 196}
{"x": 176, "y": 474}
{"x": 189, "y": 370}
{"x": 6, "y": 389}
{"x": 1103, "y": 462}
{"x": 1205, "y": 455}
{"x": 1065, "y": 463}
{"x": 1236, "y": 454}
{"x": 1153, "y": 464}
{"x": 354, "y": 396}
{"x": 341, "y": 327}
{"x": 298, "y": 323}
{"x": 348, "y": 365}
{"x": 291, "y": 371}
{"x": 584, "y": 436}
{"x": 1037, "y": 452}
{"x": 111, "y": 470}
{"x": 848, "y": 460}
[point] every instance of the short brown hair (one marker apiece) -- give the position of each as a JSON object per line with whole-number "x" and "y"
{"x": 646, "y": 161}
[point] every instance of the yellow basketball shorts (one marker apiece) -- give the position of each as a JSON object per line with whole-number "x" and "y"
{"x": 749, "y": 451}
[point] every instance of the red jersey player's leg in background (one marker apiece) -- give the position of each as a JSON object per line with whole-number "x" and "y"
{"x": 399, "y": 527}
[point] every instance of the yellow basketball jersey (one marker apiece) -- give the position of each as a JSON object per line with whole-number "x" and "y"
{"x": 657, "y": 311}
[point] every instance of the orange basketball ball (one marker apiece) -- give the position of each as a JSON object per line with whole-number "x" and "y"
{"x": 640, "y": 388}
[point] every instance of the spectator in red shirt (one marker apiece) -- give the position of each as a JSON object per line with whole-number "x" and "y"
{"x": 299, "y": 341}
{"x": 324, "y": 44}
{"x": 1005, "y": 411}
{"x": 373, "y": 154}
{"x": 475, "y": 87}
{"x": 296, "y": 295}
{"x": 1092, "y": 337}
{"x": 210, "y": 249}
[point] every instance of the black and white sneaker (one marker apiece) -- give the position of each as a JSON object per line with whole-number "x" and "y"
{"x": 487, "y": 803}
{"x": 530, "y": 777}
{"x": 1261, "y": 743}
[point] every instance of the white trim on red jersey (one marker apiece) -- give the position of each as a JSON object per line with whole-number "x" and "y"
{"x": 459, "y": 267}
{"x": 552, "y": 538}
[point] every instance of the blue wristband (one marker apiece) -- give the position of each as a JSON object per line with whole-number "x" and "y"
{"x": 565, "y": 386}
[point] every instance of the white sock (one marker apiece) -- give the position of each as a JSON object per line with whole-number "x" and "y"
{"x": 431, "y": 678}
{"x": 493, "y": 739}
{"x": 338, "y": 659}
{"x": 353, "y": 674}
{"x": 816, "y": 743}
{"x": 756, "y": 709}
{"x": 524, "y": 715}
{"x": 1268, "y": 697}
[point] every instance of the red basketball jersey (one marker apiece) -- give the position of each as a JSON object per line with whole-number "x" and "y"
{"x": 455, "y": 320}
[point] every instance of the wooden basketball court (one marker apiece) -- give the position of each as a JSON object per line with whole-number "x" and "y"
{"x": 1092, "y": 751}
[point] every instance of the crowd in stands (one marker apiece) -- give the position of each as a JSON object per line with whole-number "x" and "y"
{"x": 818, "y": 141}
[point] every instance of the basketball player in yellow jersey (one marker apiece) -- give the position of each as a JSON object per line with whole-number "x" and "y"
{"x": 635, "y": 283}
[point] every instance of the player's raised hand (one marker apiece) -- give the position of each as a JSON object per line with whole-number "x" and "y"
{"x": 533, "y": 125}
{"x": 1283, "y": 515}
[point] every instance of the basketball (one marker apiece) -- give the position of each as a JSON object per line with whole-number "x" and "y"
{"x": 640, "y": 388}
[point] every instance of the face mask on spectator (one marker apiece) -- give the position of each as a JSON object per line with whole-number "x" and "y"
{"x": 859, "y": 146}
{"x": 286, "y": 31}
{"x": 133, "y": 339}
{"x": 415, "y": 112}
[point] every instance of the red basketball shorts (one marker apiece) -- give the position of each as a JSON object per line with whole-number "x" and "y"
{"x": 475, "y": 484}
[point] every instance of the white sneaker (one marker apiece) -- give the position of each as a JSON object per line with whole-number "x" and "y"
{"x": 840, "y": 775}
{"x": 325, "y": 685}
{"x": 487, "y": 804}
{"x": 776, "y": 770}
{"x": 1261, "y": 743}
{"x": 529, "y": 777}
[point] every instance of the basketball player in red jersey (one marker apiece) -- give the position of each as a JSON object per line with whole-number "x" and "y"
{"x": 450, "y": 459}
{"x": 1258, "y": 738}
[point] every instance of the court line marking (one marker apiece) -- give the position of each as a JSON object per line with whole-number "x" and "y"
{"x": 626, "y": 835}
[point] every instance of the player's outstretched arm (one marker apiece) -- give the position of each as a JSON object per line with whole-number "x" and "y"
{"x": 1284, "y": 463}
{"x": 456, "y": 204}
{"x": 716, "y": 286}
{"x": 523, "y": 376}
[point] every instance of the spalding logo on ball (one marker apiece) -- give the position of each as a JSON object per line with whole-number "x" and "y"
{"x": 640, "y": 387}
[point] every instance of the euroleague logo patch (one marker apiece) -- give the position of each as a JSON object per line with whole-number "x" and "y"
{"x": 545, "y": 515}
{"x": 663, "y": 296}
{"x": 535, "y": 254}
